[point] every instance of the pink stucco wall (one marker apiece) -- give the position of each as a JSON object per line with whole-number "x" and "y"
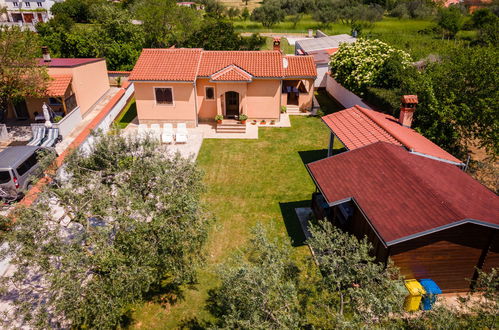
{"x": 304, "y": 99}
{"x": 207, "y": 109}
{"x": 263, "y": 99}
{"x": 90, "y": 82}
{"x": 182, "y": 110}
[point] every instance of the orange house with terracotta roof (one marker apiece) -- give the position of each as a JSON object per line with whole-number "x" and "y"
{"x": 192, "y": 85}
{"x": 74, "y": 83}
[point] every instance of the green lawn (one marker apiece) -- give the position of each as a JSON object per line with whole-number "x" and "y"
{"x": 248, "y": 182}
{"x": 285, "y": 46}
{"x": 127, "y": 115}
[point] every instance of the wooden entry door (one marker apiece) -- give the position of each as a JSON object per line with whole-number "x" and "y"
{"x": 28, "y": 18}
{"x": 231, "y": 104}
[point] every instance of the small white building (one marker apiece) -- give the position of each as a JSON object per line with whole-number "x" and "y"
{"x": 322, "y": 47}
{"x": 29, "y": 12}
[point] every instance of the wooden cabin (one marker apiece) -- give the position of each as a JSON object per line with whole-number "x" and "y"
{"x": 429, "y": 217}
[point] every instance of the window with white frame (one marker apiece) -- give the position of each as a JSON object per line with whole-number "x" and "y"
{"x": 164, "y": 95}
{"x": 39, "y": 4}
{"x": 15, "y": 4}
{"x": 210, "y": 93}
{"x": 27, "y": 5}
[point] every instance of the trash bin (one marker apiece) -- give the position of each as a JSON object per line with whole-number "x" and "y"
{"x": 432, "y": 291}
{"x": 416, "y": 291}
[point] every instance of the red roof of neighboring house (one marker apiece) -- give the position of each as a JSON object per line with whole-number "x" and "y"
{"x": 186, "y": 64}
{"x": 68, "y": 62}
{"x": 358, "y": 126}
{"x": 59, "y": 84}
{"x": 172, "y": 64}
{"x": 300, "y": 66}
{"x": 404, "y": 195}
{"x": 118, "y": 72}
{"x": 231, "y": 73}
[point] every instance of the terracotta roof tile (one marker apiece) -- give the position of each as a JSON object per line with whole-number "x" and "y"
{"x": 59, "y": 84}
{"x": 181, "y": 64}
{"x": 300, "y": 66}
{"x": 403, "y": 194}
{"x": 261, "y": 64}
{"x": 357, "y": 127}
{"x": 231, "y": 73}
{"x": 68, "y": 62}
{"x": 172, "y": 64}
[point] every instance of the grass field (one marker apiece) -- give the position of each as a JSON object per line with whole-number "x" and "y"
{"x": 127, "y": 115}
{"x": 248, "y": 182}
{"x": 401, "y": 33}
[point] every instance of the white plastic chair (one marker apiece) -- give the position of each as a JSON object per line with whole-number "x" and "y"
{"x": 167, "y": 136}
{"x": 156, "y": 131}
{"x": 182, "y": 134}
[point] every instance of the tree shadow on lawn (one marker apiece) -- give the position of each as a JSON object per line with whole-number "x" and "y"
{"x": 292, "y": 222}
{"x": 310, "y": 156}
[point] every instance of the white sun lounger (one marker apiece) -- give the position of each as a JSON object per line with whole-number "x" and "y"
{"x": 142, "y": 131}
{"x": 38, "y": 135}
{"x": 156, "y": 131}
{"x": 167, "y": 136}
{"x": 52, "y": 136}
{"x": 181, "y": 135}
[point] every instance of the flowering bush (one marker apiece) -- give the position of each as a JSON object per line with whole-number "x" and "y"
{"x": 363, "y": 64}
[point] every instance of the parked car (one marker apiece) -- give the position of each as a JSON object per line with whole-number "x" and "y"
{"x": 19, "y": 165}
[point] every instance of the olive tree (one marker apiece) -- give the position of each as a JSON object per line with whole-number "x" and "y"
{"x": 120, "y": 220}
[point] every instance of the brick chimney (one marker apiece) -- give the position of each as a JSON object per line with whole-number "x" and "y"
{"x": 277, "y": 43}
{"x": 46, "y": 54}
{"x": 407, "y": 109}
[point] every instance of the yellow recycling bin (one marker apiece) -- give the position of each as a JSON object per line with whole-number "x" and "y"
{"x": 416, "y": 291}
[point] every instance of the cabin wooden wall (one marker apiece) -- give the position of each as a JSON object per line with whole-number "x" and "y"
{"x": 448, "y": 257}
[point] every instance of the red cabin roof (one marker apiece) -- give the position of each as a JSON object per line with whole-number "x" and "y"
{"x": 357, "y": 127}
{"x": 404, "y": 195}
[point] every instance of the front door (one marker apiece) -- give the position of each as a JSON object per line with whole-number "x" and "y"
{"x": 231, "y": 104}
{"x": 21, "y": 109}
{"x": 28, "y": 18}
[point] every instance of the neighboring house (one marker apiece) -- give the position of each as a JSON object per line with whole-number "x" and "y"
{"x": 29, "y": 11}
{"x": 75, "y": 82}
{"x": 192, "y": 85}
{"x": 357, "y": 127}
{"x": 3, "y": 16}
{"x": 190, "y": 4}
{"x": 321, "y": 48}
{"x": 430, "y": 218}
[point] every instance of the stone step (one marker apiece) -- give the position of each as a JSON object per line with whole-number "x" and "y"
{"x": 227, "y": 130}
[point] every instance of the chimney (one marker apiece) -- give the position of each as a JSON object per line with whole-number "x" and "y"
{"x": 407, "y": 109}
{"x": 277, "y": 43}
{"x": 46, "y": 54}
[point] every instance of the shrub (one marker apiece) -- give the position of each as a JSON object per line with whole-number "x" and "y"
{"x": 219, "y": 117}
{"x": 283, "y": 109}
{"x": 361, "y": 64}
{"x": 57, "y": 119}
{"x": 243, "y": 117}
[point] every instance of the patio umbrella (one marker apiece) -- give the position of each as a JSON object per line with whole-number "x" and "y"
{"x": 46, "y": 115}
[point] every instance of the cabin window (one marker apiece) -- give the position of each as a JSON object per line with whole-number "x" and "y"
{"x": 39, "y": 4}
{"x": 54, "y": 101}
{"x": 27, "y": 4}
{"x": 15, "y": 4}
{"x": 164, "y": 95}
{"x": 210, "y": 93}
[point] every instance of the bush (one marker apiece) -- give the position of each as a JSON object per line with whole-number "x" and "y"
{"x": 386, "y": 100}
{"x": 362, "y": 64}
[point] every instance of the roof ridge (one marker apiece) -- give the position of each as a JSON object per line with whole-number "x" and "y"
{"x": 383, "y": 126}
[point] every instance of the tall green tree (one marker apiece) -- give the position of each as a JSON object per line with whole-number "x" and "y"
{"x": 122, "y": 220}
{"x": 269, "y": 14}
{"x": 451, "y": 20}
{"x": 20, "y": 74}
{"x": 259, "y": 288}
{"x": 354, "y": 286}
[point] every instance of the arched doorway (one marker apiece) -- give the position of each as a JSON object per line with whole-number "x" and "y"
{"x": 231, "y": 104}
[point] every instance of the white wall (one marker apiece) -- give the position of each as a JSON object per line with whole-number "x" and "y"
{"x": 69, "y": 122}
{"x": 343, "y": 95}
{"x": 322, "y": 70}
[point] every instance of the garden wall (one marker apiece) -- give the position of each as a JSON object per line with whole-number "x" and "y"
{"x": 343, "y": 95}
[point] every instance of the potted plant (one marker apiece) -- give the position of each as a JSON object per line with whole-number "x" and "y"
{"x": 219, "y": 118}
{"x": 263, "y": 122}
{"x": 283, "y": 109}
{"x": 253, "y": 122}
{"x": 57, "y": 119}
{"x": 272, "y": 122}
{"x": 243, "y": 118}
